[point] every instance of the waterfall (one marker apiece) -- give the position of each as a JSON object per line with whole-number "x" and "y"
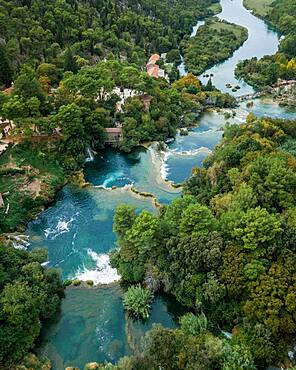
{"x": 90, "y": 155}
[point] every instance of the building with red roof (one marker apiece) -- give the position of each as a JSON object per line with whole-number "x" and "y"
{"x": 152, "y": 68}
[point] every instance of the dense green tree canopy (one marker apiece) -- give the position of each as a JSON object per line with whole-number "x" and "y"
{"x": 29, "y": 294}
{"x": 71, "y": 33}
{"x": 226, "y": 248}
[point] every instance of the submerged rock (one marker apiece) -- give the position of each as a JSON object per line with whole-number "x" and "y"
{"x": 184, "y": 132}
{"x": 92, "y": 366}
{"x": 32, "y": 362}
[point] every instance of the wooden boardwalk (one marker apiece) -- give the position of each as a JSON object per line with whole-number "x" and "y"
{"x": 275, "y": 88}
{"x": 256, "y": 95}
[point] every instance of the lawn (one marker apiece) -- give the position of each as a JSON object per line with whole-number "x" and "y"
{"x": 228, "y": 27}
{"x": 216, "y": 8}
{"x": 260, "y": 7}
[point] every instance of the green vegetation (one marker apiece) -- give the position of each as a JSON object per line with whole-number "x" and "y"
{"x": 214, "y": 42}
{"x": 86, "y": 102}
{"x": 30, "y": 176}
{"x": 62, "y": 85}
{"x": 71, "y": 63}
{"x": 32, "y": 362}
{"x": 70, "y": 34}
{"x": 215, "y": 8}
{"x": 260, "y": 8}
{"x": 29, "y": 295}
{"x": 227, "y": 249}
{"x": 190, "y": 347}
{"x": 266, "y": 71}
{"x": 5, "y": 68}
{"x": 137, "y": 301}
{"x": 55, "y": 130}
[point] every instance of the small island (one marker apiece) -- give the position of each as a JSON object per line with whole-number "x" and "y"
{"x": 213, "y": 43}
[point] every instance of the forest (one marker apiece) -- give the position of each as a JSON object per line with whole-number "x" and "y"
{"x": 214, "y": 42}
{"x": 82, "y": 106}
{"x": 225, "y": 250}
{"x": 71, "y": 34}
{"x": 266, "y": 71}
{"x": 61, "y": 66}
{"x": 29, "y": 295}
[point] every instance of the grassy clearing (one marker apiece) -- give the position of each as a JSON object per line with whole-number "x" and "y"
{"x": 227, "y": 27}
{"x": 216, "y": 8}
{"x": 259, "y": 7}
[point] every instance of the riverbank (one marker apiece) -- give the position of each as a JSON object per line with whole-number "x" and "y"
{"x": 259, "y": 8}
{"x": 280, "y": 67}
{"x": 98, "y": 329}
{"x": 214, "y": 42}
{"x": 30, "y": 178}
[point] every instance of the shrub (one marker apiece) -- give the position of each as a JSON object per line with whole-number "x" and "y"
{"x": 67, "y": 283}
{"x": 76, "y": 282}
{"x": 194, "y": 325}
{"x": 137, "y": 301}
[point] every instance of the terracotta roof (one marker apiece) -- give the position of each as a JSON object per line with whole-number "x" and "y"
{"x": 153, "y": 71}
{"x": 150, "y": 65}
{"x": 154, "y": 58}
{"x": 8, "y": 91}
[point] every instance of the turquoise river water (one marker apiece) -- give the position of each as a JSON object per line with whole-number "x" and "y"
{"x": 77, "y": 228}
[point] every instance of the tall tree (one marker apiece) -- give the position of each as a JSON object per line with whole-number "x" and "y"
{"x": 6, "y": 74}
{"x": 69, "y": 61}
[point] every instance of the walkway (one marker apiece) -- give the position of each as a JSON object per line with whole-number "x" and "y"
{"x": 276, "y": 88}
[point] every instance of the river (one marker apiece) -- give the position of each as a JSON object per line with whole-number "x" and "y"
{"x": 262, "y": 40}
{"x": 77, "y": 228}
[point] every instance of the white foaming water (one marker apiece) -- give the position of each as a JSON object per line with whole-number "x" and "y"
{"x": 126, "y": 186}
{"x": 61, "y": 228}
{"x": 194, "y": 152}
{"x": 103, "y": 274}
{"x": 113, "y": 178}
{"x": 110, "y": 179}
{"x": 19, "y": 246}
{"x": 20, "y": 242}
{"x": 90, "y": 154}
{"x": 164, "y": 168}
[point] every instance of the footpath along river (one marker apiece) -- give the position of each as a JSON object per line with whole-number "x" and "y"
{"x": 77, "y": 228}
